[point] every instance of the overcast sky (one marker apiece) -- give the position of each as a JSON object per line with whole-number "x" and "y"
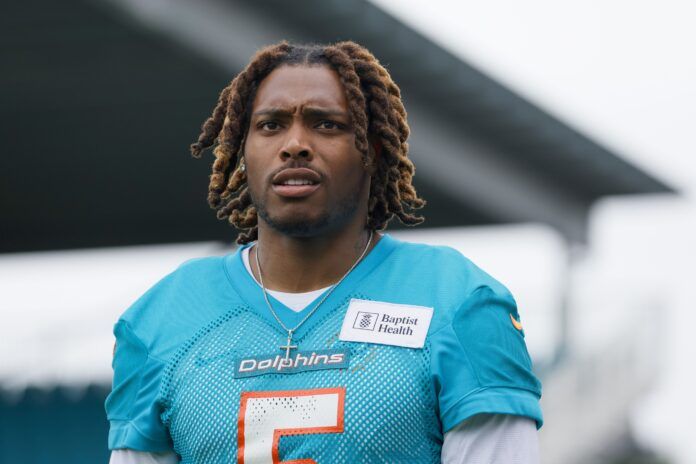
{"x": 621, "y": 71}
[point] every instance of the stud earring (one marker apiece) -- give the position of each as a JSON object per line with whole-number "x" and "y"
{"x": 240, "y": 155}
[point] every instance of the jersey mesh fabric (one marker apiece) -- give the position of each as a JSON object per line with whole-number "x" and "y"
{"x": 203, "y": 397}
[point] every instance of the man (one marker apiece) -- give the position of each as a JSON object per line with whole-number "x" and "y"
{"x": 320, "y": 339}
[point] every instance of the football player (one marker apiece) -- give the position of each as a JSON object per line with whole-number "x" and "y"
{"x": 321, "y": 339}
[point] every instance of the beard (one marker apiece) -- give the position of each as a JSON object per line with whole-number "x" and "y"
{"x": 332, "y": 218}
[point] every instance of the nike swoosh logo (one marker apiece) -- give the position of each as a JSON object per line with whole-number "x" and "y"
{"x": 515, "y": 323}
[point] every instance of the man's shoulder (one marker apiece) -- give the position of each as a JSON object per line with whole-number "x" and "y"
{"x": 436, "y": 276}
{"x": 188, "y": 277}
{"x": 441, "y": 266}
{"x": 181, "y": 302}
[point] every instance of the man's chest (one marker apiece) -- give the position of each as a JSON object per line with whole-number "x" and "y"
{"x": 234, "y": 394}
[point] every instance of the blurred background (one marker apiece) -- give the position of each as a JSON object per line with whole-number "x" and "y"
{"x": 553, "y": 141}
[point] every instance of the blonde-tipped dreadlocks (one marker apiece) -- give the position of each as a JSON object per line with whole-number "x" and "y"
{"x": 376, "y": 111}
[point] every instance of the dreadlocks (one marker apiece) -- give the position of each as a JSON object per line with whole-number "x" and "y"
{"x": 376, "y": 111}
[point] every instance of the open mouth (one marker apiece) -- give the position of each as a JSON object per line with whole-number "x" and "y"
{"x": 296, "y": 182}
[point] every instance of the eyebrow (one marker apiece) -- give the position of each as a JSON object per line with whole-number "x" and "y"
{"x": 307, "y": 111}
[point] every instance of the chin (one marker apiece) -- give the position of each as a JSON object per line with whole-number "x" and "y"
{"x": 307, "y": 220}
{"x": 298, "y": 225}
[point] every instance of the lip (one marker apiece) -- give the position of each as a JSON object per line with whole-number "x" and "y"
{"x": 296, "y": 173}
{"x": 296, "y": 191}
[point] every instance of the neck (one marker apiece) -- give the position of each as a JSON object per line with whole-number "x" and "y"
{"x": 292, "y": 264}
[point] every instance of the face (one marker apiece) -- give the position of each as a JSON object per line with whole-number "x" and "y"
{"x": 305, "y": 175}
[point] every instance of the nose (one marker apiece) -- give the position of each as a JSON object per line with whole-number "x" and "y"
{"x": 296, "y": 145}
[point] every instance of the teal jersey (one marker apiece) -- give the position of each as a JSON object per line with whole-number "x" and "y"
{"x": 415, "y": 340}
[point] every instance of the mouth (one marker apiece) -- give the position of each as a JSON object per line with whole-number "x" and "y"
{"x": 296, "y": 182}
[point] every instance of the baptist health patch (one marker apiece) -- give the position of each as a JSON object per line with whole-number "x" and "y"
{"x": 386, "y": 323}
{"x": 300, "y": 362}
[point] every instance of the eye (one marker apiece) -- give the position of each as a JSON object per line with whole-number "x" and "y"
{"x": 328, "y": 125}
{"x": 269, "y": 125}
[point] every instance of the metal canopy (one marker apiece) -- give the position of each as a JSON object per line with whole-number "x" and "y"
{"x": 98, "y": 110}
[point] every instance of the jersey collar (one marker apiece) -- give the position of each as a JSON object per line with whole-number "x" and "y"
{"x": 250, "y": 292}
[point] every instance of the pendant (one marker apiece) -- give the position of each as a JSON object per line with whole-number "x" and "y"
{"x": 288, "y": 345}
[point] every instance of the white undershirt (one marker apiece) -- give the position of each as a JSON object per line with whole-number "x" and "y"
{"x": 295, "y": 301}
{"x": 481, "y": 439}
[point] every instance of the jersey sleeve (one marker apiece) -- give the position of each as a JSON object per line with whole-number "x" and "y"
{"x": 132, "y": 407}
{"x": 493, "y": 439}
{"x": 480, "y": 362}
{"x": 126, "y": 456}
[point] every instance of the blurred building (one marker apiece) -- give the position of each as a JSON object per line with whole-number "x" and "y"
{"x": 101, "y": 99}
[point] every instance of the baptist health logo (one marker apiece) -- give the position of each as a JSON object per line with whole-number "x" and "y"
{"x": 387, "y": 324}
{"x": 366, "y": 321}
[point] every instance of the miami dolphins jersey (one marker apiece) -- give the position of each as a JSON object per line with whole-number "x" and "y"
{"x": 413, "y": 341}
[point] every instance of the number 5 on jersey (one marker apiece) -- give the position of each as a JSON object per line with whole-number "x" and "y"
{"x": 265, "y": 416}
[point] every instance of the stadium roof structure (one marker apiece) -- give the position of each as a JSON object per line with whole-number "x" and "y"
{"x": 101, "y": 99}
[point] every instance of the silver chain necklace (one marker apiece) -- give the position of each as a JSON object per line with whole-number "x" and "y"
{"x": 288, "y": 346}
